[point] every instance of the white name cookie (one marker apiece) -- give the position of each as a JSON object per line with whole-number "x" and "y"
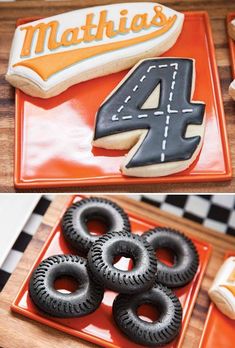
{"x": 222, "y": 291}
{"x": 54, "y": 53}
{"x": 231, "y": 29}
{"x": 151, "y": 113}
{"x": 232, "y": 89}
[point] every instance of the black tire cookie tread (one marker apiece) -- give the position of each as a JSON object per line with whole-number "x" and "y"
{"x": 58, "y": 307}
{"x": 180, "y": 278}
{"x": 98, "y": 267}
{"x": 70, "y": 233}
{"x": 130, "y": 327}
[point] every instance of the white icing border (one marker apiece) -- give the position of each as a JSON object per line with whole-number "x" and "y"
{"x": 109, "y": 62}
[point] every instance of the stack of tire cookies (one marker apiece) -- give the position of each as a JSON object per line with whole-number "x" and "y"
{"x": 148, "y": 281}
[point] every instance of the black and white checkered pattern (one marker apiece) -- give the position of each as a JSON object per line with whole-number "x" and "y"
{"x": 213, "y": 211}
{"x": 23, "y": 239}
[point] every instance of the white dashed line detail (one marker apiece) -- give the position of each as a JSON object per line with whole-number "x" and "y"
{"x": 187, "y": 110}
{"x": 120, "y": 109}
{"x": 142, "y": 78}
{"x": 115, "y": 118}
{"x": 175, "y": 65}
{"x": 127, "y": 99}
{"x": 169, "y": 110}
{"x": 151, "y": 67}
{"x": 158, "y": 113}
{"x": 127, "y": 117}
{"x": 166, "y": 132}
{"x": 164, "y": 144}
{"x": 142, "y": 116}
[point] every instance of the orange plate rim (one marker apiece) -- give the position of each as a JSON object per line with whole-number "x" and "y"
{"x": 227, "y": 175}
{"x": 212, "y": 306}
{"x": 93, "y": 339}
{"x": 230, "y": 16}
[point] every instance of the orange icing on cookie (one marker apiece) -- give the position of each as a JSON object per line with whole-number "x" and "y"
{"x": 73, "y": 40}
{"x": 41, "y": 28}
{"x": 231, "y": 288}
{"x": 123, "y": 23}
{"x": 139, "y": 22}
{"x": 47, "y": 65}
{"x": 105, "y": 25}
{"x": 231, "y": 277}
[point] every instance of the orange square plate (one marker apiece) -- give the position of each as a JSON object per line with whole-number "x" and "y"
{"x": 218, "y": 330}
{"x": 230, "y": 17}
{"x": 53, "y": 136}
{"x": 99, "y": 327}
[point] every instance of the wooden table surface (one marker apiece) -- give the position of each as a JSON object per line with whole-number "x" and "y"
{"x": 17, "y": 331}
{"x": 10, "y": 11}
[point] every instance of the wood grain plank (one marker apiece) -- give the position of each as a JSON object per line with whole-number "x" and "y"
{"x": 22, "y": 331}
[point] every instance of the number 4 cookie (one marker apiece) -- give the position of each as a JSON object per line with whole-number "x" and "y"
{"x": 151, "y": 113}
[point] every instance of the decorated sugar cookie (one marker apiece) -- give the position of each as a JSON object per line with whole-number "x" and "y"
{"x": 232, "y": 89}
{"x": 222, "y": 291}
{"x": 151, "y": 113}
{"x": 52, "y": 54}
{"x": 231, "y": 29}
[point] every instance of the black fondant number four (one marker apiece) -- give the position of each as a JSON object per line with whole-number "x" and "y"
{"x": 167, "y": 123}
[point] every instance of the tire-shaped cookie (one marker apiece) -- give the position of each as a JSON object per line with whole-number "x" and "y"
{"x": 74, "y": 221}
{"x": 116, "y": 244}
{"x": 156, "y": 333}
{"x": 85, "y": 300}
{"x": 186, "y": 258}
